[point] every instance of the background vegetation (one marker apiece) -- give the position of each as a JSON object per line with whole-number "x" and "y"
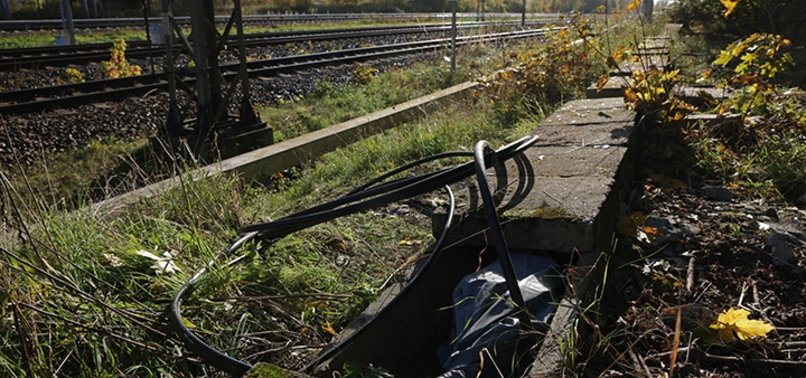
{"x": 84, "y": 293}
{"x": 133, "y": 8}
{"x": 755, "y": 50}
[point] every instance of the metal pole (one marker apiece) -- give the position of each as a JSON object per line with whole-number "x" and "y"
{"x": 146, "y": 14}
{"x": 67, "y": 21}
{"x": 453, "y": 38}
{"x": 5, "y": 10}
{"x": 204, "y": 109}
{"x": 247, "y": 113}
{"x": 523, "y": 15}
{"x": 92, "y": 6}
{"x": 174, "y": 121}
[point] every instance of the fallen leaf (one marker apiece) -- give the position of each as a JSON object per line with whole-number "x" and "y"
{"x": 328, "y": 329}
{"x": 602, "y": 82}
{"x": 651, "y": 231}
{"x": 733, "y": 323}
{"x": 627, "y": 225}
{"x": 162, "y": 264}
{"x": 729, "y": 5}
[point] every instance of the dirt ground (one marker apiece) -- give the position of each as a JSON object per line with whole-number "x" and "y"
{"x": 701, "y": 249}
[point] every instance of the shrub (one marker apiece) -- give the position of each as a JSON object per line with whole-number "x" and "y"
{"x": 117, "y": 66}
{"x": 553, "y": 69}
{"x": 74, "y": 75}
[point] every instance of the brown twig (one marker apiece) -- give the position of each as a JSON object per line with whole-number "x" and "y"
{"x": 690, "y": 274}
{"x": 675, "y": 341}
{"x": 639, "y": 364}
{"x": 141, "y": 344}
{"x": 787, "y": 368}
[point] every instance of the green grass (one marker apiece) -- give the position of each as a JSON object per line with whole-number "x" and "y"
{"x": 80, "y": 299}
{"x": 96, "y": 255}
{"x": 330, "y": 104}
{"x": 40, "y": 38}
{"x": 47, "y": 38}
{"x": 78, "y": 277}
{"x": 98, "y": 167}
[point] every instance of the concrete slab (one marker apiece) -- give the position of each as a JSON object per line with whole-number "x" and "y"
{"x": 558, "y": 194}
{"x": 613, "y": 88}
{"x": 588, "y": 112}
{"x": 605, "y": 133}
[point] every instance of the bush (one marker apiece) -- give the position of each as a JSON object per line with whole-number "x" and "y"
{"x": 558, "y": 67}
{"x": 781, "y": 17}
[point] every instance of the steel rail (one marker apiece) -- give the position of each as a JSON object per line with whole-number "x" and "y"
{"x": 39, "y": 99}
{"x": 99, "y": 23}
{"x": 14, "y": 59}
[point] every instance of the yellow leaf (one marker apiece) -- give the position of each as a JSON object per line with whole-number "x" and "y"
{"x": 729, "y": 5}
{"x": 618, "y": 55}
{"x": 328, "y": 329}
{"x": 733, "y": 323}
{"x": 602, "y": 82}
{"x": 630, "y": 96}
{"x": 633, "y": 5}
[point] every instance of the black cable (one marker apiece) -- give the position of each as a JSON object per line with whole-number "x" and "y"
{"x": 497, "y": 233}
{"x": 361, "y": 199}
{"x": 371, "y": 198}
{"x": 408, "y": 166}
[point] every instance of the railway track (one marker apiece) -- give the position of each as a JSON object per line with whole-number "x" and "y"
{"x": 99, "y": 23}
{"x": 46, "y": 98}
{"x": 54, "y": 56}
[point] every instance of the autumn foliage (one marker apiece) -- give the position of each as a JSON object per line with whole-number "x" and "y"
{"x": 117, "y": 66}
{"x": 552, "y": 69}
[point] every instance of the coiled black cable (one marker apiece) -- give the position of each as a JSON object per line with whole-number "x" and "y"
{"x": 370, "y": 195}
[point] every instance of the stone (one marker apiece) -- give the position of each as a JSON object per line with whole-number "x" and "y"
{"x": 717, "y": 193}
{"x": 781, "y": 249}
{"x": 690, "y": 229}
{"x": 666, "y": 231}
